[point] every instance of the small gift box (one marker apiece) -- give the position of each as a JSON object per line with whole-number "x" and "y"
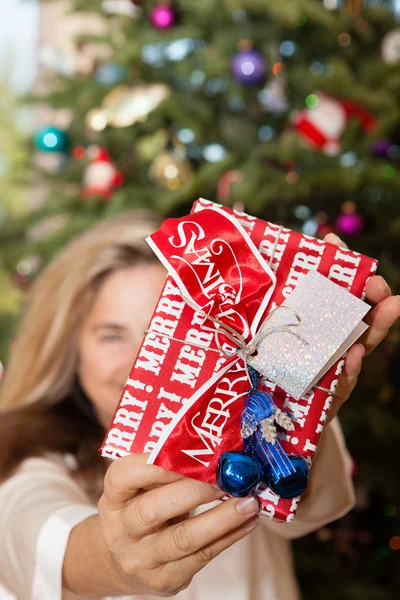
{"x": 236, "y": 372}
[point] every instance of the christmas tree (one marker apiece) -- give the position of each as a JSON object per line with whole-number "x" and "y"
{"x": 14, "y": 162}
{"x": 290, "y": 110}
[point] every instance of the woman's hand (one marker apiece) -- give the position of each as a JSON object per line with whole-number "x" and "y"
{"x": 385, "y": 312}
{"x": 144, "y": 521}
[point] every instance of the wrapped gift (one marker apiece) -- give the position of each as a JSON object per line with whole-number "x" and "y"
{"x": 239, "y": 364}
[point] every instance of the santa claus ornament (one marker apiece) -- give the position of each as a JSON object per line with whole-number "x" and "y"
{"x": 322, "y": 124}
{"x": 101, "y": 177}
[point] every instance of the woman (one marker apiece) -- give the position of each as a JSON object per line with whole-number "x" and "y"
{"x": 73, "y": 353}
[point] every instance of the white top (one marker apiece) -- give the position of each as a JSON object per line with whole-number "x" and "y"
{"x": 41, "y": 503}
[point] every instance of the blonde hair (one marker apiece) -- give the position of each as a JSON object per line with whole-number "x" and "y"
{"x": 42, "y": 367}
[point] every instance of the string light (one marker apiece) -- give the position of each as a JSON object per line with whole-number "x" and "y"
{"x": 276, "y": 68}
{"x": 388, "y": 171}
{"x": 348, "y": 159}
{"x": 186, "y": 136}
{"x": 79, "y": 153}
{"x": 50, "y": 140}
{"x": 96, "y": 119}
{"x": 389, "y": 510}
{"x": 343, "y": 39}
{"x": 331, "y": 4}
{"x": 292, "y": 177}
{"x": 394, "y": 542}
{"x": 214, "y": 153}
{"x": 287, "y": 48}
{"x": 383, "y": 552}
{"x": 302, "y": 212}
{"x": 197, "y": 78}
{"x": 266, "y": 133}
{"x": 374, "y": 193}
{"x": 317, "y": 67}
{"x": 312, "y": 101}
{"x": 394, "y": 152}
{"x": 239, "y": 15}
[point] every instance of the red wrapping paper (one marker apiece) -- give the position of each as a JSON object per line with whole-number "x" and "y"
{"x": 182, "y": 403}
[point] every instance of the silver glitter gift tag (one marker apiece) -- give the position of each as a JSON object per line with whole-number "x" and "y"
{"x": 330, "y": 322}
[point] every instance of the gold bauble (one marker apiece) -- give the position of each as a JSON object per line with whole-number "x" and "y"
{"x": 170, "y": 170}
{"x": 126, "y": 106}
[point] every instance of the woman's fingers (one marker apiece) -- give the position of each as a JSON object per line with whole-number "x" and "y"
{"x": 184, "y": 569}
{"x": 332, "y": 238}
{"x": 208, "y": 553}
{"x": 386, "y": 309}
{"x": 127, "y": 475}
{"x": 377, "y": 290}
{"x": 201, "y": 531}
{"x": 347, "y": 379}
{"x": 151, "y": 510}
{"x": 380, "y": 319}
{"x": 146, "y": 541}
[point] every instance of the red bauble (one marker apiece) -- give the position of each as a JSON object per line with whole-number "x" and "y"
{"x": 349, "y": 222}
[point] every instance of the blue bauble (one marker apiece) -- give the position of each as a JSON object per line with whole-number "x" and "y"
{"x": 238, "y": 474}
{"x": 248, "y": 67}
{"x": 51, "y": 139}
{"x": 110, "y": 74}
{"x": 292, "y": 485}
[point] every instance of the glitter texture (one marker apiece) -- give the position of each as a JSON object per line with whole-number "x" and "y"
{"x": 329, "y": 314}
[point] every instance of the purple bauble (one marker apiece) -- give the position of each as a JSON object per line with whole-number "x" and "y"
{"x": 248, "y": 67}
{"x": 380, "y": 147}
{"x": 162, "y": 16}
{"x": 350, "y": 223}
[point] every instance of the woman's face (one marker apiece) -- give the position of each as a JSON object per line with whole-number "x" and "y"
{"x": 112, "y": 332}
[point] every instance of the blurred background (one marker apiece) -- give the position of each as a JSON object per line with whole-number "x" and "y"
{"x": 288, "y": 109}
